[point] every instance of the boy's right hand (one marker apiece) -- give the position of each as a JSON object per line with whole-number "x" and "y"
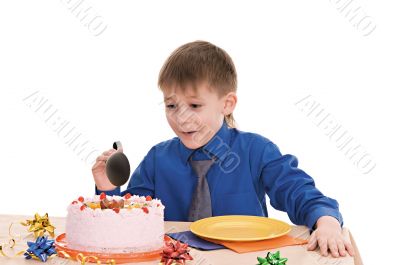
{"x": 99, "y": 171}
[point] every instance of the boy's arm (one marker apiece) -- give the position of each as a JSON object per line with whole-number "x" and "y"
{"x": 292, "y": 190}
{"x": 141, "y": 181}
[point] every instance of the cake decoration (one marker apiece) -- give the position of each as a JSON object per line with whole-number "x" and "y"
{"x": 116, "y": 202}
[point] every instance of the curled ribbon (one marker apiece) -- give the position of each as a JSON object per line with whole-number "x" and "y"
{"x": 83, "y": 259}
{"x": 10, "y": 245}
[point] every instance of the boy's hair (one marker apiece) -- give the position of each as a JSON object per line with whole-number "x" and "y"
{"x": 196, "y": 62}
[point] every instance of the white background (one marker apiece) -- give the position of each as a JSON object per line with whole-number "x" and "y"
{"x": 105, "y": 87}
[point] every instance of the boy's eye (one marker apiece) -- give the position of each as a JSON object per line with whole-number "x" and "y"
{"x": 195, "y": 106}
{"x": 171, "y": 106}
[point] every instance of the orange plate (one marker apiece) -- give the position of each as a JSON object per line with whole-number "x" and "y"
{"x": 61, "y": 245}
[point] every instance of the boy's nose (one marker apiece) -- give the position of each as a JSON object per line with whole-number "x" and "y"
{"x": 183, "y": 126}
{"x": 184, "y": 117}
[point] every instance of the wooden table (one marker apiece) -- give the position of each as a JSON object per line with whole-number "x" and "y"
{"x": 297, "y": 255}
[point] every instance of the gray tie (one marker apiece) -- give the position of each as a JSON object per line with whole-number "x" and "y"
{"x": 201, "y": 200}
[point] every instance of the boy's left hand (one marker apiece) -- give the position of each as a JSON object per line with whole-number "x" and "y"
{"x": 328, "y": 236}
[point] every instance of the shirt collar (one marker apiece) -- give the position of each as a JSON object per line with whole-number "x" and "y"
{"x": 217, "y": 147}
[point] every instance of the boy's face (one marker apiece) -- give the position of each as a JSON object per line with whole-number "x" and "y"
{"x": 195, "y": 116}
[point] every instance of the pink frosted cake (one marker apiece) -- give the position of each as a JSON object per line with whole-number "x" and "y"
{"x": 115, "y": 224}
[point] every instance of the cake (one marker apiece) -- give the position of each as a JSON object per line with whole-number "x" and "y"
{"x": 115, "y": 224}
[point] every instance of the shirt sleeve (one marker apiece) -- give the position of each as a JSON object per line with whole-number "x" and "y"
{"x": 292, "y": 190}
{"x": 116, "y": 191}
{"x": 142, "y": 179}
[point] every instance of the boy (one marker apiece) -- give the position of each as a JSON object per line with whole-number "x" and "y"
{"x": 211, "y": 168}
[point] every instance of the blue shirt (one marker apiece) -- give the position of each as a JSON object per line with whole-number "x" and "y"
{"x": 247, "y": 167}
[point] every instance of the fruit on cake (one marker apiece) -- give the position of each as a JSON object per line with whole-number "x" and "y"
{"x": 115, "y": 224}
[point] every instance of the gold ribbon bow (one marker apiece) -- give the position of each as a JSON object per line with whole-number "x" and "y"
{"x": 40, "y": 225}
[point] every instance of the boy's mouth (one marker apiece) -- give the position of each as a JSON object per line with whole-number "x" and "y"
{"x": 188, "y": 133}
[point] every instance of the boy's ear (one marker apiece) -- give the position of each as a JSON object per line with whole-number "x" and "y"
{"x": 230, "y": 101}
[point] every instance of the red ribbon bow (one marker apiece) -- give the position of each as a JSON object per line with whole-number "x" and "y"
{"x": 175, "y": 252}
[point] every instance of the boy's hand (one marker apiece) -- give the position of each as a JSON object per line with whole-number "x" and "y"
{"x": 99, "y": 171}
{"x": 328, "y": 236}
